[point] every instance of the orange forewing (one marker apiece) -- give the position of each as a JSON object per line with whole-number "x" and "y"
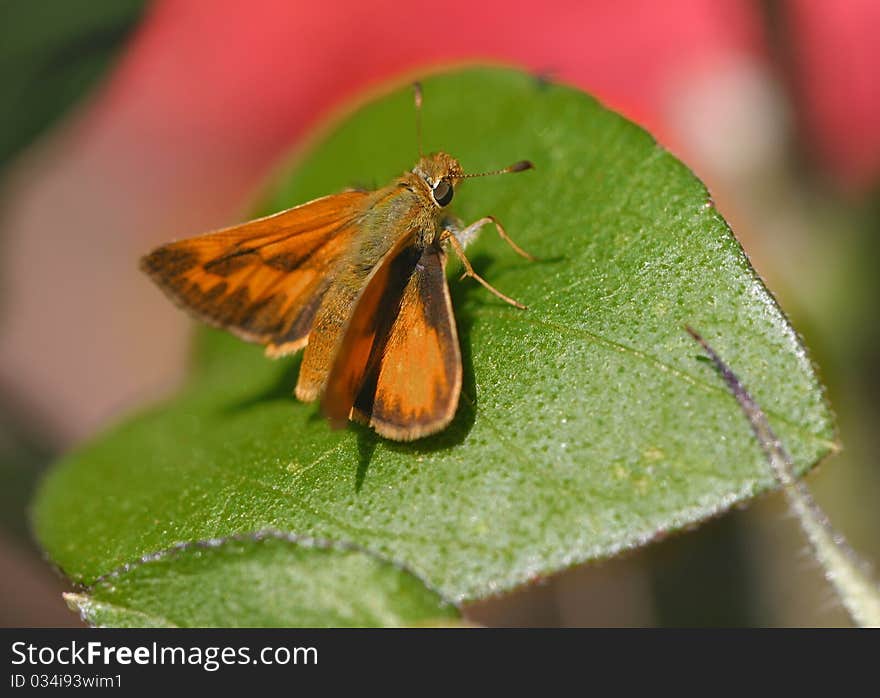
{"x": 262, "y": 280}
{"x": 410, "y": 384}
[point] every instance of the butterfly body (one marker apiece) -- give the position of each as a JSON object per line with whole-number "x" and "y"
{"x": 402, "y": 216}
{"x": 358, "y": 280}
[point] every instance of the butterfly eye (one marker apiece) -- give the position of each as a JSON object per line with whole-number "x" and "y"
{"x": 443, "y": 193}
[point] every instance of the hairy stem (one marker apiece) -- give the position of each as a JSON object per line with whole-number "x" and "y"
{"x": 848, "y": 574}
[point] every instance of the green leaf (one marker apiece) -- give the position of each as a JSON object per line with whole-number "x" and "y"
{"x": 587, "y": 424}
{"x": 262, "y": 581}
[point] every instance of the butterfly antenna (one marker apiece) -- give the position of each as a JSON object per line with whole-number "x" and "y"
{"x": 515, "y": 167}
{"x": 417, "y": 95}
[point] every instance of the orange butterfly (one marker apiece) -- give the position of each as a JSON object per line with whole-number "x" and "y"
{"x": 356, "y": 278}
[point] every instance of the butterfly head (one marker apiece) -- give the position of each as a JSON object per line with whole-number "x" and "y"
{"x": 440, "y": 172}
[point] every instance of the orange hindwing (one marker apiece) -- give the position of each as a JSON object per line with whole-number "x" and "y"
{"x": 399, "y": 367}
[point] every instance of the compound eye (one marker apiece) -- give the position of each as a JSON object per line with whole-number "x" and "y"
{"x": 443, "y": 193}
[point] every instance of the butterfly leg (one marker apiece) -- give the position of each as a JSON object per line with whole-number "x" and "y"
{"x": 466, "y": 235}
{"x": 469, "y": 270}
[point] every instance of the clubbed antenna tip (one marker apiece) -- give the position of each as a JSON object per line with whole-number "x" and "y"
{"x": 520, "y": 166}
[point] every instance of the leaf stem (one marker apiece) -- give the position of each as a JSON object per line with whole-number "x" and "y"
{"x": 844, "y": 569}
